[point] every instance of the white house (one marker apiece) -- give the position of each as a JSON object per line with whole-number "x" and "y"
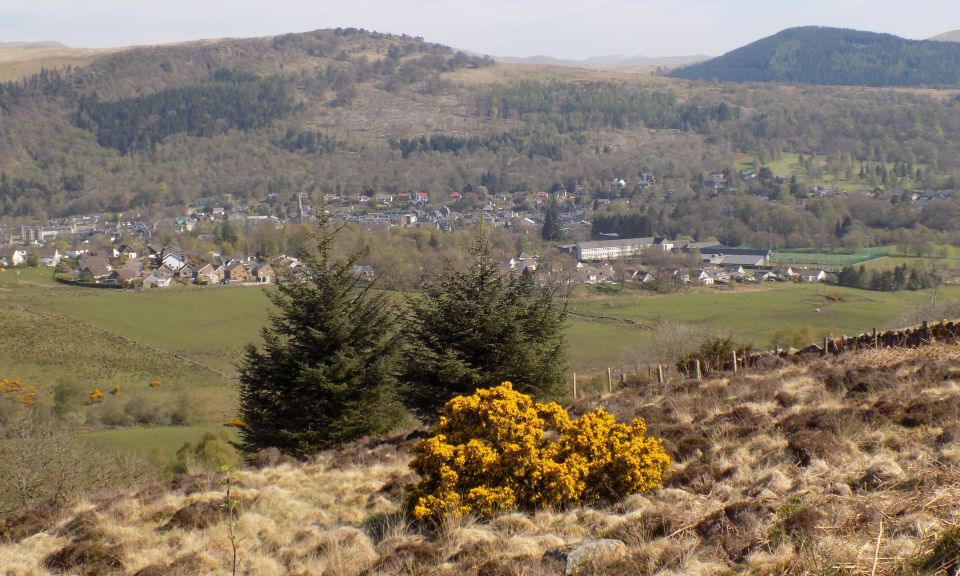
{"x": 815, "y": 275}
{"x": 13, "y": 257}
{"x": 49, "y": 256}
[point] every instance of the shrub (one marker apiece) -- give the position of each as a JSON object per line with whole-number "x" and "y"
{"x": 211, "y": 450}
{"x": 500, "y": 450}
{"x": 714, "y": 355}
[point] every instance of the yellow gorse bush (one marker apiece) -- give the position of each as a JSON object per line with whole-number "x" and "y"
{"x": 499, "y": 449}
{"x": 20, "y": 393}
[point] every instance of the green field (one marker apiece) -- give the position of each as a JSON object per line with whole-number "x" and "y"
{"x": 189, "y": 340}
{"x": 158, "y": 443}
{"x": 788, "y": 164}
{"x": 754, "y": 314}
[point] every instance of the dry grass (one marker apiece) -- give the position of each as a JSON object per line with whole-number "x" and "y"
{"x": 17, "y": 63}
{"x": 790, "y": 471}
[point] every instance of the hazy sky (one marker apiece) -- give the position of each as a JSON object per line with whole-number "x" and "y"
{"x": 560, "y": 28}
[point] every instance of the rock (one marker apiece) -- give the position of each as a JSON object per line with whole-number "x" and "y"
{"x": 589, "y": 558}
{"x": 879, "y": 473}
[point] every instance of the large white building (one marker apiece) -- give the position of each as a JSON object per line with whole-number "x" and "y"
{"x": 620, "y": 248}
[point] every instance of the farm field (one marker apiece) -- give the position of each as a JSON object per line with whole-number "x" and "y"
{"x": 173, "y": 352}
{"x": 755, "y": 314}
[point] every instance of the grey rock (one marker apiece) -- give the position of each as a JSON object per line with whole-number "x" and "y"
{"x": 588, "y": 558}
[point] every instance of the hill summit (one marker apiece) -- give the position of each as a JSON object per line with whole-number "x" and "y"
{"x": 818, "y": 55}
{"x": 951, "y": 36}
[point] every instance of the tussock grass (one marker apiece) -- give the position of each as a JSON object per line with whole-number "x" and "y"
{"x": 789, "y": 471}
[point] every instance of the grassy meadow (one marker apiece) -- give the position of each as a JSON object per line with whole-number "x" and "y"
{"x": 165, "y": 360}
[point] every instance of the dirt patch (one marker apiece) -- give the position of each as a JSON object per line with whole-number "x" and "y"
{"x": 931, "y": 411}
{"x": 86, "y": 557}
{"x": 808, "y": 445}
{"x": 734, "y": 529}
{"x": 187, "y": 565}
{"x": 863, "y": 380}
{"x": 200, "y": 515}
{"x": 700, "y": 477}
{"x": 16, "y": 527}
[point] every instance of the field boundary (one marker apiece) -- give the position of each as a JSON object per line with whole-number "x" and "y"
{"x": 611, "y": 319}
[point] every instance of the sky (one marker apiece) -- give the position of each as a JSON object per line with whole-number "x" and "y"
{"x": 558, "y": 28}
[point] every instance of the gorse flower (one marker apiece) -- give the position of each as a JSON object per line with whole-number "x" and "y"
{"x": 499, "y": 449}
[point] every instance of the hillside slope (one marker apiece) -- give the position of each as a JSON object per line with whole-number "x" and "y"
{"x": 840, "y": 466}
{"x": 952, "y": 36}
{"x": 815, "y": 55}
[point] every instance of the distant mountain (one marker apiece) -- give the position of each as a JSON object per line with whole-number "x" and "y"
{"x": 49, "y": 45}
{"x": 608, "y": 62}
{"x": 952, "y": 36}
{"x": 816, "y": 55}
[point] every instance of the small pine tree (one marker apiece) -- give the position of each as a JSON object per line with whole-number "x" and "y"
{"x": 474, "y": 328}
{"x": 326, "y": 373}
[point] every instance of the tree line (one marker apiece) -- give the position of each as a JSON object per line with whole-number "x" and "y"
{"x": 230, "y": 100}
{"x": 901, "y": 277}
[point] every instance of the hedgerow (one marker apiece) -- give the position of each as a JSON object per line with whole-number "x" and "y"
{"x": 499, "y": 450}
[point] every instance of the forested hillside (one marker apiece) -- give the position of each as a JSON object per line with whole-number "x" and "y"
{"x": 816, "y": 55}
{"x": 349, "y": 112}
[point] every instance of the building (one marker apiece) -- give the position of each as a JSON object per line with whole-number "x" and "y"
{"x": 727, "y": 256}
{"x": 620, "y": 248}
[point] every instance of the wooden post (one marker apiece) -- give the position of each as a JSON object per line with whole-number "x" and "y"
{"x": 623, "y": 379}
{"x": 734, "y": 361}
{"x": 699, "y": 373}
{"x": 574, "y": 385}
{"x": 659, "y": 373}
{"x": 876, "y": 340}
{"x": 826, "y": 343}
{"x": 609, "y": 380}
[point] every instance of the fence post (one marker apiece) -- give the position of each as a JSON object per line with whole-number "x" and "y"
{"x": 609, "y": 380}
{"x": 876, "y": 339}
{"x": 574, "y": 385}
{"x": 734, "y": 361}
{"x": 699, "y": 373}
{"x": 623, "y": 379}
{"x": 659, "y": 373}
{"x": 826, "y": 343}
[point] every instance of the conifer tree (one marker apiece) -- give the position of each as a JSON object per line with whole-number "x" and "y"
{"x": 476, "y": 327}
{"x": 551, "y": 223}
{"x": 326, "y": 372}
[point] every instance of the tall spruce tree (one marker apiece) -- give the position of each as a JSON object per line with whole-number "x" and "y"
{"x": 326, "y": 373}
{"x": 551, "y": 223}
{"x": 475, "y": 328}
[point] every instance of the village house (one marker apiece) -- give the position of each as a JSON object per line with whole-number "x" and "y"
{"x": 49, "y": 256}
{"x": 159, "y": 278}
{"x": 93, "y": 269}
{"x": 263, "y": 273}
{"x": 206, "y": 274}
{"x": 10, "y": 257}
{"x": 235, "y": 272}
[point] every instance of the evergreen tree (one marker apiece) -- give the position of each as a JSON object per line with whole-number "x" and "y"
{"x": 475, "y": 328}
{"x": 551, "y": 223}
{"x": 326, "y": 373}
